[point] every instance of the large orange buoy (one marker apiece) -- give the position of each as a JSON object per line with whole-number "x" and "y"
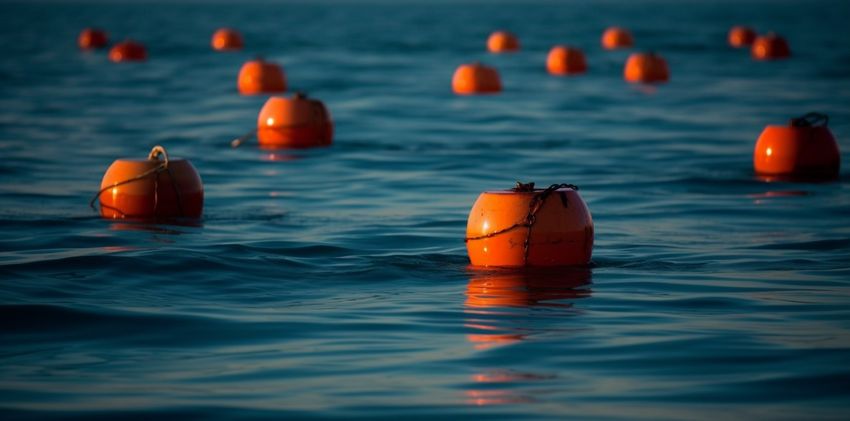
{"x": 157, "y": 188}
{"x": 226, "y": 39}
{"x": 259, "y": 76}
{"x": 770, "y": 47}
{"x": 525, "y": 226}
{"x": 502, "y": 42}
{"x": 564, "y": 60}
{"x": 741, "y": 36}
{"x": 616, "y": 37}
{"x": 804, "y": 148}
{"x": 128, "y": 51}
{"x": 91, "y": 38}
{"x": 297, "y": 122}
{"x": 646, "y": 68}
{"x": 476, "y": 78}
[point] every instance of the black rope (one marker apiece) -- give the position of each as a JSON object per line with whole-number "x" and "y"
{"x": 534, "y": 206}
{"x": 811, "y": 120}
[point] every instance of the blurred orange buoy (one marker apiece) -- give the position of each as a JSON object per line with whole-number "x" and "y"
{"x": 616, "y": 37}
{"x": 297, "y": 122}
{"x": 803, "y": 148}
{"x": 476, "y": 78}
{"x": 259, "y": 76}
{"x": 564, "y": 60}
{"x": 226, "y": 39}
{"x": 502, "y": 42}
{"x": 151, "y": 189}
{"x": 92, "y": 38}
{"x": 646, "y": 68}
{"x": 741, "y": 36}
{"x": 128, "y": 51}
{"x": 770, "y": 47}
{"x": 525, "y": 226}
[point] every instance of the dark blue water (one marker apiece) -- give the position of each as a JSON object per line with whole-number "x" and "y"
{"x": 334, "y": 283}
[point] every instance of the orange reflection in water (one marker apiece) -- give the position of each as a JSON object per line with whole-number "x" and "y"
{"x": 525, "y": 287}
{"x": 495, "y": 397}
{"x": 279, "y": 156}
{"x": 495, "y": 304}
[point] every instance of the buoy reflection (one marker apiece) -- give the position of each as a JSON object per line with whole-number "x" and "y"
{"x": 500, "y": 311}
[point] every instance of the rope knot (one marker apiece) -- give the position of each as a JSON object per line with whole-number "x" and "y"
{"x": 523, "y": 187}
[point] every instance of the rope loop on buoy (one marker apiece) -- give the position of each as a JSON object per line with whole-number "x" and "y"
{"x": 156, "y": 153}
{"x": 534, "y": 206}
{"x": 812, "y": 119}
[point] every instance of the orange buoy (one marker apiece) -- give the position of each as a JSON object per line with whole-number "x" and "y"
{"x": 770, "y": 47}
{"x": 502, "y": 42}
{"x": 804, "y": 148}
{"x": 226, "y": 39}
{"x": 741, "y": 36}
{"x": 564, "y": 60}
{"x": 616, "y": 37}
{"x": 525, "y": 226}
{"x": 476, "y": 78}
{"x": 128, "y": 51}
{"x": 259, "y": 76}
{"x": 91, "y": 38}
{"x": 297, "y": 122}
{"x": 151, "y": 189}
{"x": 646, "y": 68}
{"x": 526, "y": 287}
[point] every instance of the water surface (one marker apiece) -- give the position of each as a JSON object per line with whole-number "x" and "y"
{"x": 334, "y": 283}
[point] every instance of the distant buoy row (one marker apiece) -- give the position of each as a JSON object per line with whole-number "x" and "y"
{"x": 129, "y": 50}
{"x": 562, "y": 60}
{"x": 767, "y": 47}
{"x": 224, "y": 39}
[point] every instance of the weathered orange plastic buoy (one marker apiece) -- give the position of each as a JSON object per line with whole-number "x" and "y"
{"x": 476, "y": 78}
{"x": 804, "y": 148}
{"x": 128, "y": 51}
{"x": 226, "y": 39}
{"x": 770, "y": 47}
{"x": 565, "y": 60}
{"x": 525, "y": 226}
{"x": 259, "y": 76}
{"x": 297, "y": 122}
{"x": 616, "y": 37}
{"x": 741, "y": 36}
{"x": 91, "y": 38}
{"x": 151, "y": 189}
{"x": 646, "y": 68}
{"x": 502, "y": 42}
